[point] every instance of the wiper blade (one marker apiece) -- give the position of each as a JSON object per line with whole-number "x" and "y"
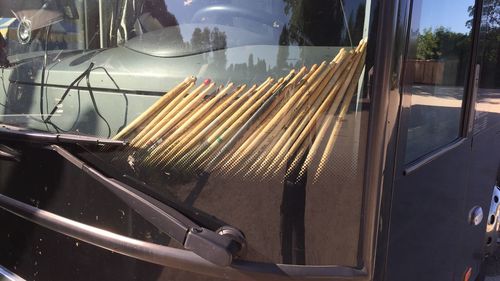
{"x": 13, "y": 133}
{"x": 219, "y": 247}
{"x": 209, "y": 221}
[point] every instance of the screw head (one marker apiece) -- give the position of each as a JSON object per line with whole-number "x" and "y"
{"x": 476, "y": 215}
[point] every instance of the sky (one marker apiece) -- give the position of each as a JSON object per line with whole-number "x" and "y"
{"x": 452, "y": 14}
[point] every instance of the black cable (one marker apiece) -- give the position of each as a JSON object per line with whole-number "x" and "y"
{"x": 86, "y": 74}
{"x": 77, "y": 80}
{"x": 95, "y": 103}
{"x": 44, "y": 67}
{"x": 124, "y": 96}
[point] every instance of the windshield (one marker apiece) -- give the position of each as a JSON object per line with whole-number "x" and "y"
{"x": 254, "y": 112}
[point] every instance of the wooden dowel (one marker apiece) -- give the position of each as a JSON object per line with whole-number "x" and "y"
{"x": 338, "y": 124}
{"x": 295, "y": 102}
{"x": 211, "y": 140}
{"x": 191, "y": 119}
{"x": 241, "y": 111}
{"x": 197, "y": 114}
{"x": 253, "y": 122}
{"x": 309, "y": 121}
{"x": 314, "y": 121}
{"x": 143, "y": 134}
{"x": 270, "y": 124}
{"x": 258, "y": 127}
{"x": 170, "y": 121}
{"x": 292, "y": 130}
{"x": 250, "y": 164}
{"x": 289, "y": 87}
{"x": 283, "y": 113}
{"x": 185, "y": 141}
{"x": 219, "y": 139}
{"x": 223, "y": 121}
{"x": 153, "y": 109}
{"x": 187, "y": 152}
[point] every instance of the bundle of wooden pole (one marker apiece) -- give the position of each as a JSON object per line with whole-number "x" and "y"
{"x": 255, "y": 131}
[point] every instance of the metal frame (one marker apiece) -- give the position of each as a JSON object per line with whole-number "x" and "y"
{"x": 398, "y": 100}
{"x": 388, "y": 124}
{"x": 467, "y": 114}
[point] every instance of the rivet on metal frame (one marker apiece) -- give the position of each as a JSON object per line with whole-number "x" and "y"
{"x": 476, "y": 215}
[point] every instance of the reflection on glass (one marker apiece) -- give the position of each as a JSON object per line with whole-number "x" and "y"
{"x": 251, "y": 111}
{"x": 437, "y": 69}
{"x": 488, "y": 96}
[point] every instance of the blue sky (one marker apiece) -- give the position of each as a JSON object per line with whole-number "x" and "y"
{"x": 452, "y": 14}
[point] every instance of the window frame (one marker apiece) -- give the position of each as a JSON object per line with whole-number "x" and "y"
{"x": 468, "y": 101}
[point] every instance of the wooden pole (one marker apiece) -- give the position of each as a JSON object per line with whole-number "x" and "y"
{"x": 308, "y": 123}
{"x": 197, "y": 114}
{"x": 195, "y": 118}
{"x": 289, "y": 87}
{"x": 263, "y": 109}
{"x": 182, "y": 139}
{"x": 303, "y": 113}
{"x": 153, "y": 109}
{"x": 204, "y": 128}
{"x": 221, "y": 137}
{"x": 136, "y": 142}
{"x": 284, "y": 113}
{"x": 213, "y": 139}
{"x": 171, "y": 120}
{"x": 338, "y": 124}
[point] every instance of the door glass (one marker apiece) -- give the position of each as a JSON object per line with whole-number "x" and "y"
{"x": 437, "y": 66}
{"x": 255, "y": 112}
{"x": 488, "y": 96}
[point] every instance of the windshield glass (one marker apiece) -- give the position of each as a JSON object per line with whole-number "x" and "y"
{"x": 254, "y": 112}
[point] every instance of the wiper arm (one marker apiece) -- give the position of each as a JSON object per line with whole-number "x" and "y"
{"x": 218, "y": 247}
{"x": 13, "y": 133}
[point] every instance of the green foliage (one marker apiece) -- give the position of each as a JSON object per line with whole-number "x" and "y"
{"x": 442, "y": 43}
{"x": 428, "y": 46}
{"x": 489, "y": 44}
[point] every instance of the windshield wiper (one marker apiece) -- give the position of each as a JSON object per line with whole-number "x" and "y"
{"x": 13, "y": 133}
{"x": 219, "y": 247}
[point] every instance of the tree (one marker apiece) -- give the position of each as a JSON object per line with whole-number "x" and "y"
{"x": 318, "y": 22}
{"x": 428, "y": 46}
{"x": 489, "y": 38}
{"x": 218, "y": 45}
{"x": 490, "y": 14}
{"x": 283, "y": 51}
{"x": 442, "y": 43}
{"x": 196, "y": 39}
